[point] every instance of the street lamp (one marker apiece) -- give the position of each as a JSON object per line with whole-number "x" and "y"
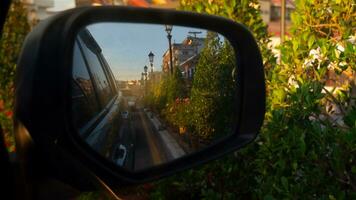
{"x": 169, "y": 36}
{"x": 142, "y": 77}
{"x": 150, "y": 57}
{"x": 145, "y": 70}
{"x": 145, "y": 73}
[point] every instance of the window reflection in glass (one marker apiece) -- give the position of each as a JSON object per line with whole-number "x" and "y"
{"x": 84, "y": 104}
{"x": 98, "y": 75}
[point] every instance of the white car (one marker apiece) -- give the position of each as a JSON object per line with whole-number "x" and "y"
{"x": 125, "y": 114}
{"x": 119, "y": 155}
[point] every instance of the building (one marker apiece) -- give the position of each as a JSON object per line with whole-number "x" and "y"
{"x": 39, "y": 10}
{"x": 184, "y": 55}
{"x": 188, "y": 66}
{"x": 98, "y": 2}
{"x": 271, "y": 14}
{"x": 139, "y": 3}
{"x": 274, "y": 26}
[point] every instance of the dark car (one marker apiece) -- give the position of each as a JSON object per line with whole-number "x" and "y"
{"x": 95, "y": 98}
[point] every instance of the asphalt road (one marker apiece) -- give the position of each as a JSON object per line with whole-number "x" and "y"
{"x": 144, "y": 147}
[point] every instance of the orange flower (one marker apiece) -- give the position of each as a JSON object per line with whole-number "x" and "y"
{"x": 187, "y": 100}
{"x": 148, "y": 186}
{"x": 138, "y": 3}
{"x": 9, "y": 114}
{"x": 177, "y": 100}
{"x": 7, "y": 143}
{"x": 2, "y": 106}
{"x": 10, "y": 146}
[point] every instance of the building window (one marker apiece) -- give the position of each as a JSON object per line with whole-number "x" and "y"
{"x": 276, "y": 13}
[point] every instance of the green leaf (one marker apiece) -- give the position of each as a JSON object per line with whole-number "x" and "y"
{"x": 353, "y": 169}
{"x": 268, "y": 197}
{"x": 295, "y": 45}
{"x": 311, "y": 41}
{"x": 295, "y": 165}
{"x": 305, "y": 36}
{"x": 284, "y": 182}
{"x": 302, "y": 144}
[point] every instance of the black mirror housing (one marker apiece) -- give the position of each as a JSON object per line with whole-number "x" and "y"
{"x": 43, "y": 92}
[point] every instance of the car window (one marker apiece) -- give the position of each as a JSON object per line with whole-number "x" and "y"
{"x": 103, "y": 89}
{"x": 111, "y": 76}
{"x": 84, "y": 102}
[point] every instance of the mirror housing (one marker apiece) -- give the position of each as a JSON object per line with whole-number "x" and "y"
{"x": 43, "y": 97}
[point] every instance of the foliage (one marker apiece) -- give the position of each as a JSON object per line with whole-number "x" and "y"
{"x": 306, "y": 149}
{"x": 164, "y": 92}
{"x": 213, "y": 89}
{"x": 244, "y": 11}
{"x": 202, "y": 106}
{"x": 165, "y": 97}
{"x": 15, "y": 29}
{"x": 174, "y": 110}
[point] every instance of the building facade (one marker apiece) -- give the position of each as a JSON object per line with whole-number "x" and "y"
{"x": 271, "y": 15}
{"x": 184, "y": 55}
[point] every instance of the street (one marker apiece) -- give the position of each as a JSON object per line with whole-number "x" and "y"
{"x": 138, "y": 145}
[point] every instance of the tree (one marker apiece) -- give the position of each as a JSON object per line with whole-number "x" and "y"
{"x": 15, "y": 29}
{"x": 175, "y": 86}
{"x": 213, "y": 89}
{"x": 167, "y": 90}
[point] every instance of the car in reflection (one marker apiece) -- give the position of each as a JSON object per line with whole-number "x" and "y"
{"x": 95, "y": 97}
{"x": 119, "y": 155}
{"x": 125, "y": 114}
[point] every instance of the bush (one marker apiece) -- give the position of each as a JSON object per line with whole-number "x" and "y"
{"x": 15, "y": 29}
{"x": 202, "y": 107}
{"x": 213, "y": 87}
{"x": 306, "y": 149}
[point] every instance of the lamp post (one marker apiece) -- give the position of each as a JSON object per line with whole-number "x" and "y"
{"x": 145, "y": 73}
{"x": 169, "y": 36}
{"x": 150, "y": 57}
{"x": 142, "y": 77}
{"x": 283, "y": 20}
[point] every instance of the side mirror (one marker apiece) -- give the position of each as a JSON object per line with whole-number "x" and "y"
{"x": 136, "y": 94}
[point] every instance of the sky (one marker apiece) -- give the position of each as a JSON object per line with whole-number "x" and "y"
{"x": 126, "y": 45}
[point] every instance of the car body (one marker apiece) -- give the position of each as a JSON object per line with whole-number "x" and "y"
{"x": 119, "y": 155}
{"x": 94, "y": 94}
{"x": 125, "y": 114}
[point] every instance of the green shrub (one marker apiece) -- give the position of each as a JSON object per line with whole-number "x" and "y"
{"x": 213, "y": 87}
{"x": 306, "y": 149}
{"x": 15, "y": 29}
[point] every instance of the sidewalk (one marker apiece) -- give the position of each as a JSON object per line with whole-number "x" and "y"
{"x": 171, "y": 145}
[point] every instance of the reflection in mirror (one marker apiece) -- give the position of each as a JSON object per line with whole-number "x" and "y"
{"x": 147, "y": 94}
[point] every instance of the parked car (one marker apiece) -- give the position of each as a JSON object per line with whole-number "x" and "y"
{"x": 95, "y": 107}
{"x": 119, "y": 155}
{"x": 125, "y": 114}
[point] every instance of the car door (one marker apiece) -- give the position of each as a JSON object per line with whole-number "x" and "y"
{"x": 96, "y": 100}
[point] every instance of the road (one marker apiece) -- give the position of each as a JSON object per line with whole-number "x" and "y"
{"x": 143, "y": 145}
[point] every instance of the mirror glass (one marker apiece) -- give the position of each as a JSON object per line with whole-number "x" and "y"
{"x": 147, "y": 94}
